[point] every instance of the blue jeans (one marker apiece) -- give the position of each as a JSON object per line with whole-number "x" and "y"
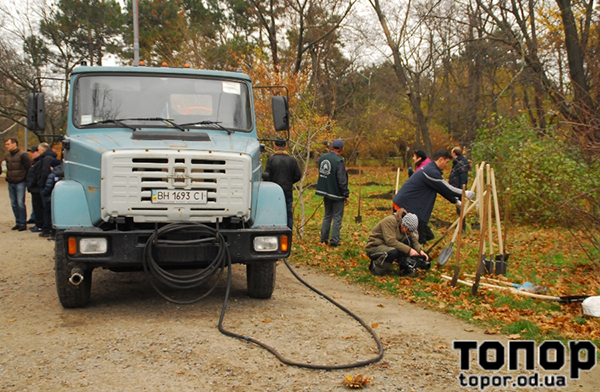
{"x": 334, "y": 210}
{"x": 16, "y": 192}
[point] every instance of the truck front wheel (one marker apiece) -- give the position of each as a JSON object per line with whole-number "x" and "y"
{"x": 261, "y": 279}
{"x": 70, "y": 295}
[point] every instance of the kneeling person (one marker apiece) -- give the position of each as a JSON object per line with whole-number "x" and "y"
{"x": 395, "y": 239}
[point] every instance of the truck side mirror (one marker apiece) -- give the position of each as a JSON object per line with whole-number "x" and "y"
{"x": 281, "y": 113}
{"x": 36, "y": 112}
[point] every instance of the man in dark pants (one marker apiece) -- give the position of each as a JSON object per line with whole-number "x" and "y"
{"x": 17, "y": 165}
{"x": 47, "y": 156}
{"x": 459, "y": 175}
{"x": 35, "y": 189}
{"x": 283, "y": 170}
{"x": 333, "y": 186}
{"x": 418, "y": 193}
{"x": 394, "y": 239}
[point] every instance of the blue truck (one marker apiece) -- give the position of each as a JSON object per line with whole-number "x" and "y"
{"x": 162, "y": 172}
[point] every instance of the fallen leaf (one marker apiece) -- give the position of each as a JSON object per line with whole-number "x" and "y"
{"x": 380, "y": 305}
{"x": 336, "y": 296}
{"x": 357, "y": 382}
{"x": 266, "y": 321}
{"x": 347, "y": 337}
{"x": 515, "y": 336}
{"x": 442, "y": 347}
{"x": 374, "y": 325}
{"x": 490, "y": 332}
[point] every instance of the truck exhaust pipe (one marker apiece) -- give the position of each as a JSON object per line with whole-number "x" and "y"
{"x": 76, "y": 276}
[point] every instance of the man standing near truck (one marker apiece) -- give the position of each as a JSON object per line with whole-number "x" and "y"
{"x": 283, "y": 170}
{"x": 333, "y": 186}
{"x": 17, "y": 165}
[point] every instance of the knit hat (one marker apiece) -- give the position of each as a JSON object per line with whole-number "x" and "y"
{"x": 338, "y": 144}
{"x": 411, "y": 222}
{"x": 420, "y": 154}
{"x": 55, "y": 162}
{"x": 280, "y": 143}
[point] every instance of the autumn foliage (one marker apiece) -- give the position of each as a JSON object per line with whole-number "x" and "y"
{"x": 545, "y": 256}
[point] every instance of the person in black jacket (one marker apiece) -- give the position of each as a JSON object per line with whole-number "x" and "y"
{"x": 47, "y": 157}
{"x": 418, "y": 193}
{"x": 283, "y": 170}
{"x": 333, "y": 186}
{"x": 36, "y": 198}
{"x": 459, "y": 175}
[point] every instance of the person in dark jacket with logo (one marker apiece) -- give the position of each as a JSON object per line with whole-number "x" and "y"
{"x": 418, "y": 193}
{"x": 17, "y": 165}
{"x": 333, "y": 186}
{"x": 283, "y": 170}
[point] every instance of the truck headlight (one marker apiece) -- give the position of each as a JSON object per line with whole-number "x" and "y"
{"x": 93, "y": 246}
{"x": 266, "y": 244}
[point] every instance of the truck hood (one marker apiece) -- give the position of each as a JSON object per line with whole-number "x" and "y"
{"x": 167, "y": 139}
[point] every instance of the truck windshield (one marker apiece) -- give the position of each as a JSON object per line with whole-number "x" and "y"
{"x": 138, "y": 101}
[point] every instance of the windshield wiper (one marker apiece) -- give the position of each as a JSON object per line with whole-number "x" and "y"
{"x": 121, "y": 123}
{"x": 217, "y": 124}
{"x": 114, "y": 121}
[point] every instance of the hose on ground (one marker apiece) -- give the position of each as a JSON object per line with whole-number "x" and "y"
{"x": 207, "y": 234}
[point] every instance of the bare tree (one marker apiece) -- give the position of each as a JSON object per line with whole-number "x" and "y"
{"x": 409, "y": 82}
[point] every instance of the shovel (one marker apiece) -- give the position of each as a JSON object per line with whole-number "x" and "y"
{"x": 481, "y": 255}
{"x": 446, "y": 252}
{"x": 358, "y": 218}
{"x": 460, "y": 229}
{"x": 489, "y": 263}
{"x": 567, "y": 299}
{"x": 502, "y": 258}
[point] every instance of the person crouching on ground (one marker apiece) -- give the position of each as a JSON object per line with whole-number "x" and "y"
{"x": 395, "y": 239}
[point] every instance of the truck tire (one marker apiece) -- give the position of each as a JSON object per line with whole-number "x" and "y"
{"x": 261, "y": 279}
{"x": 69, "y": 295}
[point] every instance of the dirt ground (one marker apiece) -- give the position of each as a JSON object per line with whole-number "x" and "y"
{"x": 130, "y": 339}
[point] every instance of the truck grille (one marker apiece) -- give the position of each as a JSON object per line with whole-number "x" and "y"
{"x": 129, "y": 177}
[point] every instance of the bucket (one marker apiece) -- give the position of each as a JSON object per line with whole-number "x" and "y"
{"x": 500, "y": 267}
{"x": 489, "y": 266}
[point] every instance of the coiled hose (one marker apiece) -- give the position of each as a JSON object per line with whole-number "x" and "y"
{"x": 207, "y": 235}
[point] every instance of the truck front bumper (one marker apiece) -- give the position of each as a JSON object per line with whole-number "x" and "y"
{"x": 125, "y": 249}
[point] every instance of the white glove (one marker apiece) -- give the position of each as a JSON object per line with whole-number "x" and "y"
{"x": 470, "y": 195}
{"x": 458, "y": 203}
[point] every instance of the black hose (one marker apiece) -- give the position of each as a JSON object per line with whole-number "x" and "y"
{"x": 187, "y": 281}
{"x": 208, "y": 234}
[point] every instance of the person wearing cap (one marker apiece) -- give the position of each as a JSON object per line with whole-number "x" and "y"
{"x": 394, "y": 239}
{"x": 17, "y": 165}
{"x": 283, "y": 170}
{"x": 418, "y": 193}
{"x": 333, "y": 186}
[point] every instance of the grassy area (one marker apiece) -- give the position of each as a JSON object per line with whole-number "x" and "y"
{"x": 544, "y": 256}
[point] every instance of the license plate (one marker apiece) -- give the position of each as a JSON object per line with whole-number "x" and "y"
{"x": 178, "y": 196}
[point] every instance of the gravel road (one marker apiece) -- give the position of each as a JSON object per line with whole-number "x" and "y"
{"x": 130, "y": 339}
